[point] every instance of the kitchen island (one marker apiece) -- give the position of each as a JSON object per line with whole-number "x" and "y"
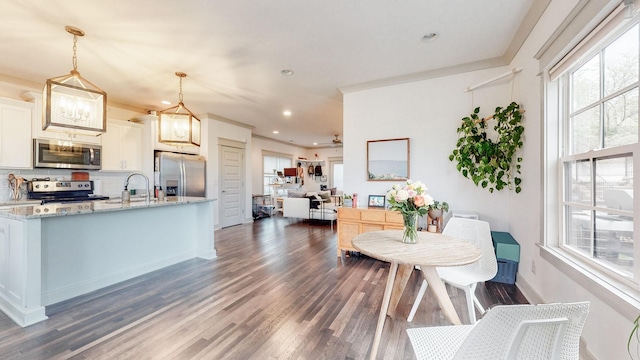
{"x": 50, "y": 253}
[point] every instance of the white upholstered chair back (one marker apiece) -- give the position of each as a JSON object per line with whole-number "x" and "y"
{"x": 468, "y": 276}
{"x": 477, "y": 232}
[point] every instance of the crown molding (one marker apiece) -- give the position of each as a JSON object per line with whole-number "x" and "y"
{"x": 426, "y": 75}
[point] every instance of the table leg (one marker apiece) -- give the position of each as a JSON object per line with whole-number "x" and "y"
{"x": 402, "y": 277}
{"x": 383, "y": 310}
{"x": 440, "y": 291}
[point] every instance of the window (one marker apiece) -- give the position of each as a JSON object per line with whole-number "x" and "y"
{"x": 271, "y": 164}
{"x": 599, "y": 147}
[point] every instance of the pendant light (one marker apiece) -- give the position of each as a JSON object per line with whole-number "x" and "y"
{"x": 178, "y": 126}
{"x": 72, "y": 103}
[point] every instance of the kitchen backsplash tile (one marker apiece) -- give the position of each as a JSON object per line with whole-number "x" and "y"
{"x": 112, "y": 183}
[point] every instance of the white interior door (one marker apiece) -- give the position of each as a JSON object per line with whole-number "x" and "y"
{"x": 232, "y": 186}
{"x": 337, "y": 174}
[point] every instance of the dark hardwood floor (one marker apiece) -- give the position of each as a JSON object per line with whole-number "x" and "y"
{"x": 276, "y": 291}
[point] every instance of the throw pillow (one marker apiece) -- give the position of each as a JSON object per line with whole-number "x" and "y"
{"x": 296, "y": 194}
{"x": 312, "y": 204}
{"x": 325, "y": 195}
{"x": 333, "y": 191}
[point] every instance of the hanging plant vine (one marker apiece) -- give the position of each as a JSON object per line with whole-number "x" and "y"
{"x": 490, "y": 164}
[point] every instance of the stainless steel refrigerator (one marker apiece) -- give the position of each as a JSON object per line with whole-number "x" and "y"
{"x": 180, "y": 174}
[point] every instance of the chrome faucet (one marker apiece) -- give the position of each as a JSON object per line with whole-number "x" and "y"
{"x": 126, "y": 182}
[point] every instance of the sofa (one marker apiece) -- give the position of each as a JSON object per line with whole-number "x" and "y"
{"x": 300, "y": 207}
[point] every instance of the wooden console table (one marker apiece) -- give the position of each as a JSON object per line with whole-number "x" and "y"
{"x": 355, "y": 221}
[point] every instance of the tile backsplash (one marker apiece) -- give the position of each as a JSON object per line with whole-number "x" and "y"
{"x": 112, "y": 183}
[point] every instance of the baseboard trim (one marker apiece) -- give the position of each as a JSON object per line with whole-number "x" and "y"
{"x": 528, "y": 291}
{"x": 20, "y": 315}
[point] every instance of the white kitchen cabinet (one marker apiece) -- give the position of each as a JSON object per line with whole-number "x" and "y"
{"x": 15, "y": 134}
{"x": 122, "y": 146}
{"x": 38, "y": 133}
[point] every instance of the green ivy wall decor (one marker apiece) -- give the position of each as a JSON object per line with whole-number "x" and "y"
{"x": 490, "y": 164}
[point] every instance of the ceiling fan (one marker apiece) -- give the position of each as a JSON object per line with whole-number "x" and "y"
{"x": 334, "y": 142}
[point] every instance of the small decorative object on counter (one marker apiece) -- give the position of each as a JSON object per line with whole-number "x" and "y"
{"x": 436, "y": 212}
{"x": 412, "y": 201}
{"x": 79, "y": 175}
{"x": 354, "y": 203}
{"x": 15, "y": 186}
{"x": 347, "y": 201}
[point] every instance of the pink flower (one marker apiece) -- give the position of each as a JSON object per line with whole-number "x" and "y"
{"x": 419, "y": 201}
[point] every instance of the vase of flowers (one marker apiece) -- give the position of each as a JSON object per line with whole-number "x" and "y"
{"x": 412, "y": 201}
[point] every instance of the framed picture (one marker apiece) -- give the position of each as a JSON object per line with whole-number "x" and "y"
{"x": 376, "y": 201}
{"x": 388, "y": 160}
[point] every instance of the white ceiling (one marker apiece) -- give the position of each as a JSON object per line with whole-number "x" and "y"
{"x": 233, "y": 51}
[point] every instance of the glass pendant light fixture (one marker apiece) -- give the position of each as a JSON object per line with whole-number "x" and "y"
{"x": 72, "y": 103}
{"x": 177, "y": 125}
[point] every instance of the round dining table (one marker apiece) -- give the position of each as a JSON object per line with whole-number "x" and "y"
{"x": 430, "y": 251}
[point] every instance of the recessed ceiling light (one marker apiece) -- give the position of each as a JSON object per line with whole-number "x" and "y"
{"x": 286, "y": 113}
{"x": 429, "y": 37}
{"x": 315, "y": 143}
{"x": 286, "y": 72}
{"x": 166, "y": 102}
{"x": 276, "y": 132}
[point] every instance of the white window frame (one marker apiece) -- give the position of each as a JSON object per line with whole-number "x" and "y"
{"x": 266, "y": 189}
{"x": 619, "y": 292}
{"x": 591, "y": 156}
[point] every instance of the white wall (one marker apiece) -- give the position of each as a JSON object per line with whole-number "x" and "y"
{"x": 428, "y": 112}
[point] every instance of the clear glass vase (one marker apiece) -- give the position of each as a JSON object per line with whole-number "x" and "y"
{"x": 410, "y": 235}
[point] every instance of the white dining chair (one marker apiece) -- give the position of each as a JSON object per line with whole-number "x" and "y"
{"x": 466, "y": 277}
{"x": 546, "y": 331}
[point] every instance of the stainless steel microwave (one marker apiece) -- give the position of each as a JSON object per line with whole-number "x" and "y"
{"x": 65, "y": 154}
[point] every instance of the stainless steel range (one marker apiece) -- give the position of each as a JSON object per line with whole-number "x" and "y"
{"x": 62, "y": 191}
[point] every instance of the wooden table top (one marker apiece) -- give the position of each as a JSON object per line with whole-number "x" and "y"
{"x": 432, "y": 249}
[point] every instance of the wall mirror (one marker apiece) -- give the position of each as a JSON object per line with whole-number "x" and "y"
{"x": 388, "y": 160}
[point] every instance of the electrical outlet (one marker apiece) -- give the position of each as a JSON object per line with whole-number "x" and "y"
{"x": 533, "y": 266}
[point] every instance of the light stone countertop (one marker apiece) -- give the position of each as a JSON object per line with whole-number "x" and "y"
{"x": 26, "y": 202}
{"x": 22, "y": 212}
